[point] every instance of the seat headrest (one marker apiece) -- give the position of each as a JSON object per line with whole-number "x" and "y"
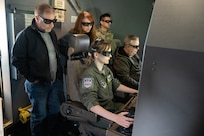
{"x": 79, "y": 42}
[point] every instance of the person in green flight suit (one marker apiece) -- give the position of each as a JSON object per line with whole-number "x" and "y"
{"x": 97, "y": 86}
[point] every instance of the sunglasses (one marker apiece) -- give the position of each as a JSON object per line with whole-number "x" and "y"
{"x": 108, "y": 21}
{"x": 134, "y": 46}
{"x": 106, "y": 53}
{"x": 95, "y": 47}
{"x": 48, "y": 21}
{"x": 87, "y": 23}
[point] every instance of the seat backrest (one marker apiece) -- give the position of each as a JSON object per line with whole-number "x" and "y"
{"x": 79, "y": 42}
{"x": 76, "y": 63}
{"x": 78, "y": 60}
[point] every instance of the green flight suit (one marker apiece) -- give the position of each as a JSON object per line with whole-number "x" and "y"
{"x": 96, "y": 88}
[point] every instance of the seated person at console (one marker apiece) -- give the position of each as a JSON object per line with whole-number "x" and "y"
{"x": 97, "y": 85}
{"x": 127, "y": 63}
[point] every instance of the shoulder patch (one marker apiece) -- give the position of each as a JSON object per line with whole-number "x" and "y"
{"x": 87, "y": 83}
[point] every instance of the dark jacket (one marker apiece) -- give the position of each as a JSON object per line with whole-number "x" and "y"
{"x": 30, "y": 55}
{"x": 127, "y": 69}
{"x": 64, "y": 43}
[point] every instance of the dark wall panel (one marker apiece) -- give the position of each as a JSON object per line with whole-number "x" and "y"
{"x": 170, "y": 101}
{"x": 171, "y": 94}
{"x": 178, "y": 25}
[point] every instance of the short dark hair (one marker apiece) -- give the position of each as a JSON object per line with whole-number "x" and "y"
{"x": 104, "y": 15}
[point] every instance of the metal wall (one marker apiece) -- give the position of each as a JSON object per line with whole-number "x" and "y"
{"x": 7, "y": 106}
{"x": 170, "y": 101}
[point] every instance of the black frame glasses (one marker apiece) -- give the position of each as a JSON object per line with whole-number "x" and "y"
{"x": 97, "y": 42}
{"x": 106, "y": 53}
{"x": 108, "y": 21}
{"x": 48, "y": 21}
{"x": 134, "y": 46}
{"x": 87, "y": 23}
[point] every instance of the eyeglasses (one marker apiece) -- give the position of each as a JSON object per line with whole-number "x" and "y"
{"x": 134, "y": 46}
{"x": 106, "y": 53}
{"x": 108, "y": 21}
{"x": 87, "y": 23}
{"x": 97, "y": 42}
{"x": 48, "y": 21}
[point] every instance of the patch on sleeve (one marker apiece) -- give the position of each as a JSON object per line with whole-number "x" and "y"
{"x": 87, "y": 83}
